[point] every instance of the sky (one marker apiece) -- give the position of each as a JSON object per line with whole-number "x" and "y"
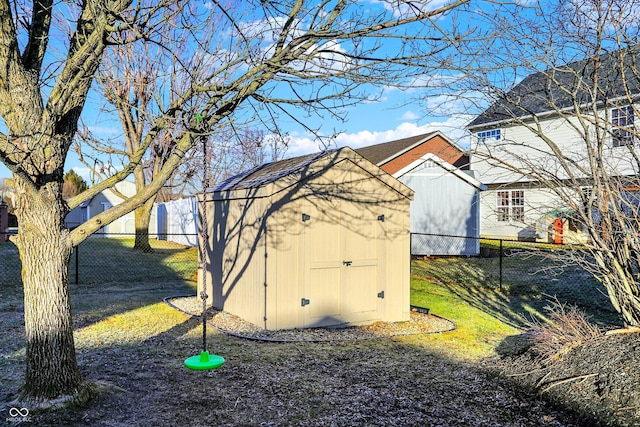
{"x": 391, "y": 117}
{"x": 368, "y": 125}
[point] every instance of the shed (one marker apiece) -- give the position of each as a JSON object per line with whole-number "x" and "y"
{"x": 445, "y": 212}
{"x": 316, "y": 240}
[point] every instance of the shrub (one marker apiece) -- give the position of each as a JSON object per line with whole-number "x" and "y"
{"x": 567, "y": 328}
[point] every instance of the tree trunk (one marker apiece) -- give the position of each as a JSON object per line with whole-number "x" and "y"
{"x": 142, "y": 217}
{"x": 622, "y": 287}
{"x": 45, "y": 249}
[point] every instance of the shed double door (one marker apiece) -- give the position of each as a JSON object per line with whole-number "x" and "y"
{"x": 341, "y": 266}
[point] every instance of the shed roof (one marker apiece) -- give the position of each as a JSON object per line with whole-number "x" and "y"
{"x": 269, "y": 172}
{"x": 304, "y": 167}
{"x": 557, "y": 88}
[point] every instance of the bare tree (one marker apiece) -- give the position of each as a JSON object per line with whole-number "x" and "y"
{"x": 247, "y": 62}
{"x": 563, "y": 101}
{"x": 138, "y": 81}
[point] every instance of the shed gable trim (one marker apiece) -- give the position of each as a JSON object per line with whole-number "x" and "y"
{"x": 445, "y": 165}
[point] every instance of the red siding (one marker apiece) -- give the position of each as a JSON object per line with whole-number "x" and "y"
{"x": 436, "y": 145}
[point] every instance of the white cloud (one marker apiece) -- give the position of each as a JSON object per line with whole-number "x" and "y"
{"x": 410, "y": 115}
{"x": 452, "y": 127}
{"x": 105, "y": 130}
{"x": 84, "y": 172}
{"x": 402, "y": 9}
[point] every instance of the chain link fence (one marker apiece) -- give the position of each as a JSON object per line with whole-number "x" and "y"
{"x": 102, "y": 260}
{"x": 490, "y": 263}
{"x": 508, "y": 266}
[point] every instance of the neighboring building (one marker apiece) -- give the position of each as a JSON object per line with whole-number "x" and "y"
{"x": 445, "y": 212}
{"x": 178, "y": 221}
{"x": 105, "y": 200}
{"x": 316, "y": 240}
{"x": 560, "y": 105}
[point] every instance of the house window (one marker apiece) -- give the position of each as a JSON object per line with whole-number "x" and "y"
{"x": 510, "y": 205}
{"x": 489, "y": 135}
{"x": 623, "y": 131}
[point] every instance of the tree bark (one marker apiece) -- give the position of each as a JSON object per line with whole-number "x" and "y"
{"x": 142, "y": 217}
{"x": 45, "y": 249}
{"x": 621, "y": 285}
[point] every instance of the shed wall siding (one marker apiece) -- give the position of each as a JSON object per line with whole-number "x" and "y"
{"x": 237, "y": 257}
{"x": 304, "y": 259}
{"x": 443, "y": 204}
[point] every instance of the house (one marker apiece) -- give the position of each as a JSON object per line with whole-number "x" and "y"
{"x": 536, "y": 145}
{"x": 445, "y": 211}
{"x": 105, "y": 200}
{"x": 316, "y": 240}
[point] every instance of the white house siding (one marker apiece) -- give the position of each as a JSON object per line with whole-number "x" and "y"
{"x": 538, "y": 202}
{"x": 178, "y": 221}
{"x": 518, "y": 143}
{"x": 443, "y": 204}
{"x": 105, "y": 200}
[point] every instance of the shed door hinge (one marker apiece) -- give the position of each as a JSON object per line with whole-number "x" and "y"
{"x": 304, "y": 302}
{"x": 381, "y": 294}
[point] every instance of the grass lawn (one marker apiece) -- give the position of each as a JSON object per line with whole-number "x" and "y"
{"x": 127, "y": 338}
{"x": 464, "y": 290}
{"x": 478, "y": 333}
{"x": 118, "y": 297}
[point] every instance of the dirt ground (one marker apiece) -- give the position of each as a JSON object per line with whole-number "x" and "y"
{"x": 378, "y": 382}
{"x": 397, "y": 381}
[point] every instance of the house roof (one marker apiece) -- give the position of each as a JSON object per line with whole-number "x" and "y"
{"x": 560, "y": 87}
{"x": 469, "y": 179}
{"x": 303, "y": 167}
{"x": 381, "y": 154}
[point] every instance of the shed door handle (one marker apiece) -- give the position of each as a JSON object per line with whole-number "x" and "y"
{"x": 347, "y": 263}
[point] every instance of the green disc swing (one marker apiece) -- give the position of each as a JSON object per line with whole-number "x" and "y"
{"x": 204, "y": 361}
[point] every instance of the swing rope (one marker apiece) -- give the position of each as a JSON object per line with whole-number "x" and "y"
{"x": 203, "y": 295}
{"x": 204, "y": 361}
{"x": 204, "y": 234}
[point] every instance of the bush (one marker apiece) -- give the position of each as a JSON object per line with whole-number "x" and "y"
{"x": 567, "y": 328}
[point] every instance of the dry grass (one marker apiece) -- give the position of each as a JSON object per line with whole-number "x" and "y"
{"x": 130, "y": 341}
{"x": 567, "y": 328}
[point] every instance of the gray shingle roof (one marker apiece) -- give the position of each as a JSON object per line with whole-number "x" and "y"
{"x": 379, "y": 152}
{"x": 269, "y": 172}
{"x": 552, "y": 89}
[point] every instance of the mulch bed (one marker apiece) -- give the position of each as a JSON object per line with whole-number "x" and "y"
{"x": 229, "y": 324}
{"x": 599, "y": 379}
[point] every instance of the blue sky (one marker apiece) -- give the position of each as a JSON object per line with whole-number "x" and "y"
{"x": 393, "y": 116}
{"x": 367, "y": 124}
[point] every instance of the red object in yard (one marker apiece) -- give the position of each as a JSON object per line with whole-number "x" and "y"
{"x": 557, "y": 231}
